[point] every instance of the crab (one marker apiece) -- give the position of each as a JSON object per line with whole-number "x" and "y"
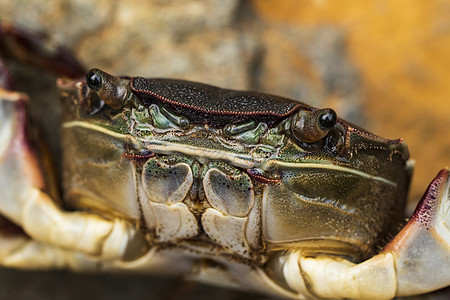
{"x": 233, "y": 188}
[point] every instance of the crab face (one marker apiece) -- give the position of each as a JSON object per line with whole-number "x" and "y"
{"x": 322, "y": 184}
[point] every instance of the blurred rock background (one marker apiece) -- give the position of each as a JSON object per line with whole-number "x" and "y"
{"x": 382, "y": 64}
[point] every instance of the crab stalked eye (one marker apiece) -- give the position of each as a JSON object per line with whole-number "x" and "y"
{"x": 110, "y": 89}
{"x": 327, "y": 119}
{"x": 312, "y": 126}
{"x": 94, "y": 80}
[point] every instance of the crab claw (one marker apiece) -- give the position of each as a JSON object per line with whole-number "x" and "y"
{"x": 422, "y": 248}
{"x": 29, "y": 201}
{"x": 416, "y": 261}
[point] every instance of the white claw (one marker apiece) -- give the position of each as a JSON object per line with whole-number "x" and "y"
{"x": 24, "y": 202}
{"x": 416, "y": 261}
{"x": 422, "y": 248}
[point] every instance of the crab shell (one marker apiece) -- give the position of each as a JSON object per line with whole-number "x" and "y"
{"x": 343, "y": 196}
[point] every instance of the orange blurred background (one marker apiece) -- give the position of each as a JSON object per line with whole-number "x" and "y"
{"x": 402, "y": 51}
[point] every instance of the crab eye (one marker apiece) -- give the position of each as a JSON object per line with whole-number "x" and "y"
{"x": 312, "y": 126}
{"x": 94, "y": 80}
{"x": 327, "y": 119}
{"x": 111, "y": 90}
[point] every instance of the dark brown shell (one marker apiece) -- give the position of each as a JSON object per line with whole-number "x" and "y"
{"x": 206, "y": 104}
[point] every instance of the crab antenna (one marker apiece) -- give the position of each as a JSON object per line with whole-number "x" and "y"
{"x": 110, "y": 89}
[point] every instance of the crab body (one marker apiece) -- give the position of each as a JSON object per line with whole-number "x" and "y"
{"x": 242, "y": 189}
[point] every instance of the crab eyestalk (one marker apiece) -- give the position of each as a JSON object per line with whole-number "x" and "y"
{"x": 312, "y": 126}
{"x": 112, "y": 90}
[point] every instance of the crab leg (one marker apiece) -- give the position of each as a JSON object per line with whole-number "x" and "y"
{"x": 416, "y": 261}
{"x": 25, "y": 198}
{"x": 19, "y": 251}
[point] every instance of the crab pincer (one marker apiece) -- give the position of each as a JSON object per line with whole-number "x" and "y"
{"x": 416, "y": 261}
